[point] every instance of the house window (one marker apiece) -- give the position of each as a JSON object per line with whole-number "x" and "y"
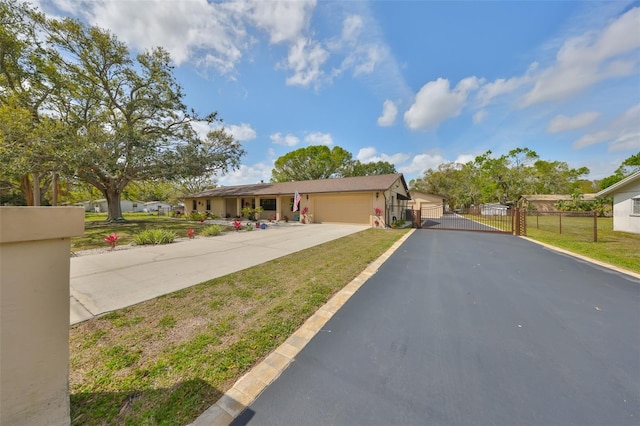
{"x": 635, "y": 207}
{"x": 268, "y": 204}
{"x": 194, "y": 205}
{"x": 208, "y": 204}
{"x": 135, "y": 205}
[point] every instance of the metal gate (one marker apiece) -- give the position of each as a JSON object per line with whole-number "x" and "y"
{"x": 487, "y": 218}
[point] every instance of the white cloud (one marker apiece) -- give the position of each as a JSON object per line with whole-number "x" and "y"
{"x": 209, "y": 34}
{"x": 243, "y": 132}
{"x": 318, "y": 138}
{"x": 284, "y": 21}
{"x": 287, "y": 140}
{"x": 305, "y": 59}
{"x": 436, "y": 102}
{"x": 464, "y": 158}
{"x": 479, "y": 116}
{"x": 422, "y": 162}
{"x": 370, "y": 155}
{"x": 623, "y": 133}
{"x": 563, "y": 123}
{"x": 585, "y": 60}
{"x": 389, "y": 113}
{"x": 247, "y": 175}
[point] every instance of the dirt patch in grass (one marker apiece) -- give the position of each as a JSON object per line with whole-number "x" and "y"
{"x": 165, "y": 361}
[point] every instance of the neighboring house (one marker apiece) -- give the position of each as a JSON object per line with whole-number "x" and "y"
{"x": 100, "y": 206}
{"x": 345, "y": 200}
{"x": 154, "y": 206}
{"x": 626, "y": 203}
{"x": 428, "y": 204}
{"x": 493, "y": 209}
{"x": 547, "y": 202}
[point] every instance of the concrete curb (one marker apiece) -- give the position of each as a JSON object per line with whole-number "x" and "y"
{"x": 251, "y": 385}
{"x": 585, "y": 258}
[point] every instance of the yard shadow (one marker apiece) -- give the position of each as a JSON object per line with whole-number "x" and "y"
{"x": 430, "y": 223}
{"x": 179, "y": 405}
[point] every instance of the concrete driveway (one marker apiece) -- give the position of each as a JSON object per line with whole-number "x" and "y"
{"x": 107, "y": 281}
{"x": 469, "y": 328}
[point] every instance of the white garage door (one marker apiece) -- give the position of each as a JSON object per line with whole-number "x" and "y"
{"x": 349, "y": 208}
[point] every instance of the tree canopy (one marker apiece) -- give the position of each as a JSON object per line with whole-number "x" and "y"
{"x": 119, "y": 118}
{"x": 504, "y": 179}
{"x": 320, "y": 162}
{"x": 628, "y": 167}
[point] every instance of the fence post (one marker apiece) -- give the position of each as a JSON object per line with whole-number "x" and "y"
{"x": 595, "y": 226}
{"x": 560, "y": 221}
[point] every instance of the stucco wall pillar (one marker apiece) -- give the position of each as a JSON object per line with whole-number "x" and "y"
{"x": 34, "y": 313}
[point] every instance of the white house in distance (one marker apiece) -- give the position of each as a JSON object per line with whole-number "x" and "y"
{"x": 626, "y": 203}
{"x": 101, "y": 206}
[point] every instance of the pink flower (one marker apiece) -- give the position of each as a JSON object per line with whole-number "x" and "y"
{"x": 190, "y": 233}
{"x": 111, "y": 240}
{"x": 378, "y": 211}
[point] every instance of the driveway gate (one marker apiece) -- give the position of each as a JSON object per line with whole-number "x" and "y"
{"x": 481, "y": 219}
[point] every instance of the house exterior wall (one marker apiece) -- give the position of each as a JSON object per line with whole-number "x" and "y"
{"x": 623, "y": 217}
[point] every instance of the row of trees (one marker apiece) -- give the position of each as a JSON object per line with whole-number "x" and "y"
{"x": 75, "y": 105}
{"x": 503, "y": 179}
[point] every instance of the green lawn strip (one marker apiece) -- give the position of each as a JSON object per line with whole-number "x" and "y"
{"x": 616, "y": 248}
{"x": 165, "y": 361}
{"x": 96, "y": 228}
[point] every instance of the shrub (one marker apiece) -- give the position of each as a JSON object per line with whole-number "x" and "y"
{"x": 195, "y": 216}
{"x": 249, "y": 227}
{"x": 154, "y": 236}
{"x": 213, "y": 230}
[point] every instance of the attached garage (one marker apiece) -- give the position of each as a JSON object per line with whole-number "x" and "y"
{"x": 342, "y": 208}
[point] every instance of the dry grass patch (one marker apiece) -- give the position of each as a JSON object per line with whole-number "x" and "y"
{"x": 167, "y": 360}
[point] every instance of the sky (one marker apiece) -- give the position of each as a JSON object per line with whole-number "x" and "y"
{"x": 414, "y": 83}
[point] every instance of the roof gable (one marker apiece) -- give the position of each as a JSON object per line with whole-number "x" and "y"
{"x": 618, "y": 185}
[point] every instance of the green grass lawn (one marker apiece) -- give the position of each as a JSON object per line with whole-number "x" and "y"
{"x": 165, "y": 361}
{"x": 96, "y": 228}
{"x": 621, "y": 249}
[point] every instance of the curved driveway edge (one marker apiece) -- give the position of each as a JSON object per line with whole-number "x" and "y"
{"x": 251, "y": 385}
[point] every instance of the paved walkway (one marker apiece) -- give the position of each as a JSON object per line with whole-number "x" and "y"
{"x": 104, "y": 282}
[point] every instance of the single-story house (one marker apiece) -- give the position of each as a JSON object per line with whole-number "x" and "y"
{"x": 626, "y": 203}
{"x": 100, "y": 206}
{"x": 493, "y": 209}
{"x": 154, "y": 206}
{"x": 429, "y": 205}
{"x": 547, "y": 202}
{"x": 341, "y": 200}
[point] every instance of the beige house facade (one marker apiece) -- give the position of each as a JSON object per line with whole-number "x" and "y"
{"x": 343, "y": 200}
{"x": 626, "y": 203}
{"x": 547, "y": 202}
{"x": 429, "y": 204}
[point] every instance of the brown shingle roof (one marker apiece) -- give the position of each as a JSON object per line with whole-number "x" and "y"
{"x": 350, "y": 184}
{"x": 556, "y": 197}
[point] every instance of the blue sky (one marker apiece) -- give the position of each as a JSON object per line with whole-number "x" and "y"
{"x": 415, "y": 83}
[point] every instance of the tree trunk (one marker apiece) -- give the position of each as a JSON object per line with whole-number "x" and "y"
{"x": 27, "y": 189}
{"x": 54, "y": 189}
{"x": 113, "y": 204}
{"x": 36, "y": 189}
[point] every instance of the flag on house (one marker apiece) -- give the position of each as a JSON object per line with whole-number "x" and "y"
{"x": 296, "y": 201}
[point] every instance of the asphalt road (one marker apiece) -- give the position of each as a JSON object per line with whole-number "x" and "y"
{"x": 470, "y": 328}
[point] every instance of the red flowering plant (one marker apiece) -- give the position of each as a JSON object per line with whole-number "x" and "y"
{"x": 237, "y": 225}
{"x": 190, "y": 233}
{"x": 304, "y": 214}
{"x": 378, "y": 211}
{"x": 112, "y": 240}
